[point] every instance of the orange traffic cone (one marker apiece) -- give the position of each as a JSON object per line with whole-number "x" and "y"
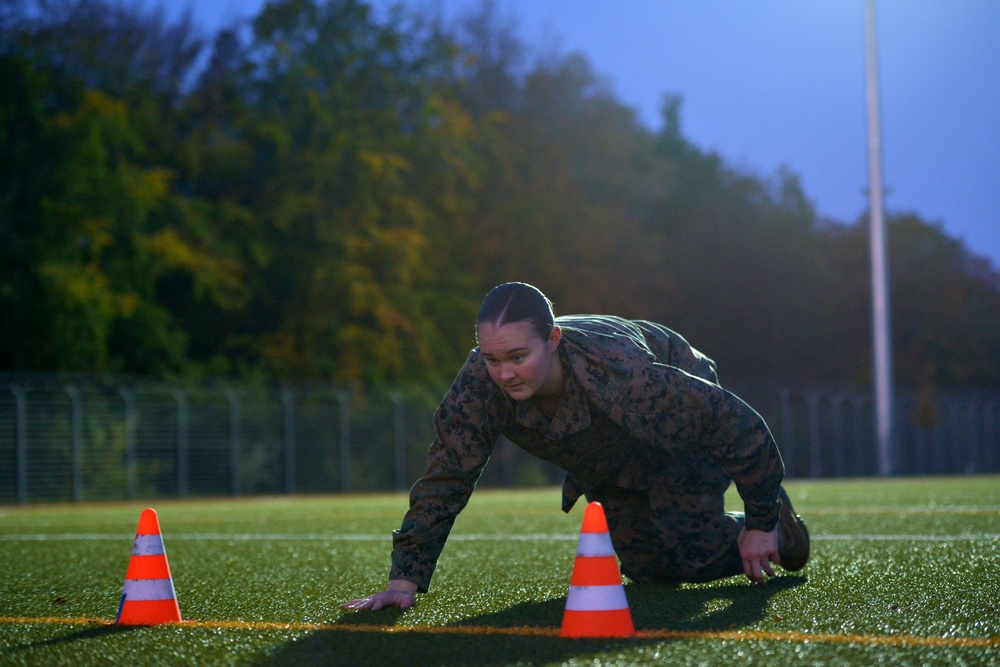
{"x": 596, "y": 605}
{"x": 148, "y": 596}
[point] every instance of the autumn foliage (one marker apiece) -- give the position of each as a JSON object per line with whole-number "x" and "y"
{"x": 327, "y": 193}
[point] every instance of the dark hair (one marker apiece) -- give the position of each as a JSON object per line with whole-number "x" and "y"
{"x": 517, "y": 302}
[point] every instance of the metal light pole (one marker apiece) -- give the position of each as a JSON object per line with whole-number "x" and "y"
{"x": 881, "y": 334}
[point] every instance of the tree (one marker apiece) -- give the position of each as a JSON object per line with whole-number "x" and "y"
{"x": 329, "y": 196}
{"x": 91, "y": 213}
{"x": 945, "y": 308}
{"x": 345, "y": 117}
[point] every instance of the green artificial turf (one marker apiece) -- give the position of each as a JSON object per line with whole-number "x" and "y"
{"x": 903, "y": 571}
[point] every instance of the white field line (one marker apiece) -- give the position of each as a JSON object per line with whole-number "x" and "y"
{"x": 471, "y": 537}
{"x": 931, "y": 509}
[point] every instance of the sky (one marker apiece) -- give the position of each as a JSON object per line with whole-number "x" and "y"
{"x": 772, "y": 84}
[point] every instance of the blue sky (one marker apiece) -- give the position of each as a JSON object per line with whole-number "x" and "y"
{"x": 773, "y": 83}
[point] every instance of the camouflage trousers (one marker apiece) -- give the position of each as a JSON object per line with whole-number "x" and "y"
{"x": 665, "y": 536}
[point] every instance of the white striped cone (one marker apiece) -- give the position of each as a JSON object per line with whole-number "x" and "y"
{"x": 148, "y": 597}
{"x": 596, "y": 605}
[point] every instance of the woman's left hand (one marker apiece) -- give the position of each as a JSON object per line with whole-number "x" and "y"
{"x": 758, "y": 549}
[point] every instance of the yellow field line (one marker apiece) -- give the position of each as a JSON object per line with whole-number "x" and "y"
{"x": 713, "y": 635}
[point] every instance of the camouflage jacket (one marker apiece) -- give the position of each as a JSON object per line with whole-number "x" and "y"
{"x": 637, "y": 396}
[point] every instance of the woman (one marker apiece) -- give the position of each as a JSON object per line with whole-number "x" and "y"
{"x": 635, "y": 416}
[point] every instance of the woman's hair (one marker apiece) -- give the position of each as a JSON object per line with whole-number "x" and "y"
{"x": 517, "y": 302}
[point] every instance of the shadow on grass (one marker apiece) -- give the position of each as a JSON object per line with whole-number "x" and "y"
{"x": 729, "y": 606}
{"x": 654, "y": 607}
{"x": 92, "y": 632}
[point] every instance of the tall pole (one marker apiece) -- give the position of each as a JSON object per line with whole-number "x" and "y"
{"x": 881, "y": 335}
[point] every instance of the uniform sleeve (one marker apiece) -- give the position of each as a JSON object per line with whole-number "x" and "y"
{"x": 685, "y": 414}
{"x": 462, "y": 445}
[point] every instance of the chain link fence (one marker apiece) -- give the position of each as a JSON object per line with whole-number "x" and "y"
{"x": 90, "y": 439}
{"x": 831, "y": 432}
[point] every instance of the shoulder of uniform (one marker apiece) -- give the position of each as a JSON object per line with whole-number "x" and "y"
{"x": 603, "y": 341}
{"x": 473, "y": 376}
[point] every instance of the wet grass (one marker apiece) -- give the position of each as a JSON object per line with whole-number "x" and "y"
{"x": 904, "y": 571}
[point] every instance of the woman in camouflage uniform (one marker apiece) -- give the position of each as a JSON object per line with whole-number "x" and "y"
{"x": 638, "y": 420}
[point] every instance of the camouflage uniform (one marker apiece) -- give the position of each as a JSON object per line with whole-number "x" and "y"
{"x": 644, "y": 428}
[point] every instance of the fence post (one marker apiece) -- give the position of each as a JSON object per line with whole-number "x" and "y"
{"x": 234, "y": 440}
{"x": 972, "y": 454}
{"x": 128, "y": 397}
{"x": 939, "y": 439}
{"x": 182, "y": 442}
{"x": 787, "y": 429}
{"x": 815, "y": 450}
{"x": 905, "y": 437}
{"x": 21, "y": 402}
{"x": 922, "y": 434}
{"x": 288, "y": 399}
{"x": 76, "y": 413}
{"x": 343, "y": 401}
{"x": 955, "y": 424}
{"x": 399, "y": 432}
{"x": 858, "y": 403}
{"x": 837, "y": 415}
{"x": 990, "y": 411}
{"x": 896, "y": 439}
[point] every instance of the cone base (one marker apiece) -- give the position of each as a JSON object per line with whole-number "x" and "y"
{"x": 614, "y": 623}
{"x": 149, "y": 612}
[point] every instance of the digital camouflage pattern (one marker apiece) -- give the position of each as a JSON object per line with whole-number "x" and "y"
{"x": 644, "y": 428}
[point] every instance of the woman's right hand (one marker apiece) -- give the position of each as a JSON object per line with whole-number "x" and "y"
{"x": 399, "y": 594}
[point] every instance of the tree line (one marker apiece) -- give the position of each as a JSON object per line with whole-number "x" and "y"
{"x": 327, "y": 192}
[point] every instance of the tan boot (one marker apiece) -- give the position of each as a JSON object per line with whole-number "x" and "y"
{"x": 793, "y": 536}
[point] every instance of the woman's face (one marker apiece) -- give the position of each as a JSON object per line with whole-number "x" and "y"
{"x": 519, "y": 361}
